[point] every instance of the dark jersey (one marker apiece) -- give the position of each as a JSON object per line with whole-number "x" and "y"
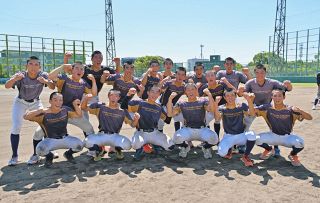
{"x": 168, "y": 88}
{"x": 54, "y": 125}
{"x": 149, "y": 113}
{"x": 71, "y": 90}
{"x": 194, "y": 113}
{"x": 123, "y": 86}
{"x": 110, "y": 120}
{"x": 234, "y": 78}
{"x": 233, "y": 119}
{"x": 280, "y": 121}
{"x": 150, "y": 82}
{"x": 97, "y": 75}
{"x": 218, "y": 90}
{"x": 30, "y": 89}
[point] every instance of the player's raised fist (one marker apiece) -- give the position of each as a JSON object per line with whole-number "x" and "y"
{"x": 91, "y": 77}
{"x": 206, "y": 91}
{"x": 68, "y": 55}
{"x": 41, "y": 79}
{"x": 18, "y": 76}
{"x": 132, "y": 91}
{"x": 76, "y": 102}
{"x": 245, "y": 70}
{"x": 173, "y": 95}
{"x": 136, "y": 116}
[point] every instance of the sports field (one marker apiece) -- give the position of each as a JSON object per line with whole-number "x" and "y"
{"x": 164, "y": 177}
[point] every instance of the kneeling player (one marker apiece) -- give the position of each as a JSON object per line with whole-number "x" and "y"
{"x": 147, "y": 128}
{"x": 110, "y": 118}
{"x": 281, "y": 118}
{"x": 194, "y": 113}
{"x": 234, "y": 127}
{"x": 53, "y": 121}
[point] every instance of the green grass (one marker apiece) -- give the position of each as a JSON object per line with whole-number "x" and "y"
{"x": 304, "y": 85}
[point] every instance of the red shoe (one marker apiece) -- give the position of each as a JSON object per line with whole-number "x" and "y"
{"x": 294, "y": 160}
{"x": 247, "y": 161}
{"x": 266, "y": 154}
{"x": 229, "y": 155}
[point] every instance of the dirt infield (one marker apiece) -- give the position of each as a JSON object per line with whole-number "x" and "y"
{"x": 164, "y": 177}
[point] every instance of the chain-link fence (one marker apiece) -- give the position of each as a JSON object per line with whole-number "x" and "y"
{"x": 15, "y": 50}
{"x": 300, "y": 57}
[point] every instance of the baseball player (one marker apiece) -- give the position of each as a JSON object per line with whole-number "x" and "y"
{"x": 53, "y": 121}
{"x": 262, "y": 88}
{"x": 151, "y": 77}
{"x": 30, "y": 84}
{"x": 281, "y": 119}
{"x": 234, "y": 127}
{"x": 193, "y": 111}
{"x": 174, "y": 85}
{"x": 147, "y": 129}
{"x": 123, "y": 82}
{"x": 168, "y": 64}
{"x": 198, "y": 77}
{"x": 216, "y": 88}
{"x": 316, "y": 100}
{"x": 111, "y": 118}
{"x": 72, "y": 87}
{"x": 233, "y": 76}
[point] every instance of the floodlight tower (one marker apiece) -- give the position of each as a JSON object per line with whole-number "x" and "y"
{"x": 110, "y": 44}
{"x": 279, "y": 29}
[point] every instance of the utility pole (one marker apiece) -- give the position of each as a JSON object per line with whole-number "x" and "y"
{"x": 201, "y": 47}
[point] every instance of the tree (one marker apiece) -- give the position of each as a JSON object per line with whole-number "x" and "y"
{"x": 141, "y": 64}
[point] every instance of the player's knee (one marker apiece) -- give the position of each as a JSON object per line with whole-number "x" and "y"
{"x": 41, "y": 150}
{"x": 251, "y": 136}
{"x": 178, "y": 137}
{"x": 298, "y": 142}
{"x": 126, "y": 144}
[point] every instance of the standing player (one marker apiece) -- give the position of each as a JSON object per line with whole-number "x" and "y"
{"x": 123, "y": 82}
{"x": 194, "y": 113}
{"x": 168, "y": 64}
{"x": 111, "y": 118}
{"x": 234, "y": 127}
{"x": 233, "y": 76}
{"x": 174, "y": 85}
{"x": 198, "y": 77}
{"x": 316, "y": 100}
{"x": 281, "y": 118}
{"x": 151, "y": 77}
{"x": 30, "y": 85}
{"x": 216, "y": 88}
{"x": 53, "y": 121}
{"x": 147, "y": 129}
{"x": 262, "y": 88}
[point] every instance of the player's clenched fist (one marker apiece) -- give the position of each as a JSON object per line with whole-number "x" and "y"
{"x": 76, "y": 102}
{"x": 173, "y": 95}
{"x": 18, "y": 76}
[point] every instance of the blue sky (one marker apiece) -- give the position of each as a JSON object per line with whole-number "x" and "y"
{"x": 169, "y": 28}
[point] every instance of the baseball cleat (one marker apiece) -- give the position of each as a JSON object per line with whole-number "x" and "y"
{"x": 13, "y": 161}
{"x": 34, "y": 159}
{"x": 266, "y": 154}
{"x": 69, "y": 157}
{"x": 294, "y": 160}
{"x": 246, "y": 160}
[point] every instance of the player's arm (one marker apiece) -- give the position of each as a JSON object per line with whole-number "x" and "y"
{"x": 209, "y": 107}
{"x": 172, "y": 111}
{"x": 66, "y": 57}
{"x": 53, "y": 75}
{"x": 104, "y": 76}
{"x": 302, "y": 113}
{"x": 47, "y": 82}
{"x": 94, "y": 89}
{"x": 77, "y": 109}
{"x": 145, "y": 77}
{"x": 228, "y": 84}
{"x": 31, "y": 115}
{"x": 287, "y": 84}
{"x": 250, "y": 97}
{"x": 16, "y": 77}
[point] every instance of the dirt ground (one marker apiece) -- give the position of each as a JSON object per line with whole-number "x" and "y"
{"x": 162, "y": 178}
